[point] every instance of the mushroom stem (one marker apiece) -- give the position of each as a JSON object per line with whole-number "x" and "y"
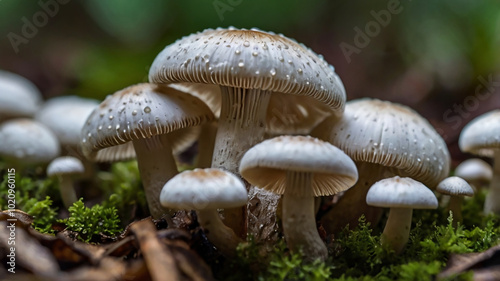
{"x": 299, "y": 223}
{"x": 397, "y": 229}
{"x": 206, "y": 143}
{"x": 156, "y": 166}
{"x": 492, "y": 203}
{"x": 241, "y": 126}
{"x": 455, "y": 206}
{"x": 352, "y": 204}
{"x": 218, "y": 233}
{"x": 68, "y": 194}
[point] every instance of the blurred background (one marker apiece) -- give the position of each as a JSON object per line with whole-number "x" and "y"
{"x": 441, "y": 58}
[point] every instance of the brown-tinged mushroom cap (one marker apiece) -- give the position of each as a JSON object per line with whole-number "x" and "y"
{"x": 250, "y": 59}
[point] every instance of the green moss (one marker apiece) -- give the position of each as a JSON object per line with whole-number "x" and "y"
{"x": 89, "y": 222}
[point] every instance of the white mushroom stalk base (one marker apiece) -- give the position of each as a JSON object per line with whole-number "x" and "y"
{"x": 492, "y": 202}
{"x": 219, "y": 234}
{"x": 397, "y": 229}
{"x": 241, "y": 126}
{"x": 67, "y": 190}
{"x": 156, "y": 165}
{"x": 299, "y": 223}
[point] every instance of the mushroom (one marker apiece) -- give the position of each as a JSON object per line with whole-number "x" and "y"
{"x": 249, "y": 66}
{"x": 25, "y": 142}
{"x": 384, "y": 139}
{"x": 457, "y": 188}
{"x": 299, "y": 168}
{"x": 401, "y": 195}
{"x": 475, "y": 171}
{"x": 65, "y": 168}
{"x": 482, "y": 137}
{"x": 144, "y": 114}
{"x": 18, "y": 96}
{"x": 206, "y": 190}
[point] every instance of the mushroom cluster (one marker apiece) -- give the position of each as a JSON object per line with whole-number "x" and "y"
{"x": 274, "y": 132}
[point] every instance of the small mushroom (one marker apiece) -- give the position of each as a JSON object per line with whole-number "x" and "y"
{"x": 482, "y": 137}
{"x": 65, "y": 168}
{"x": 300, "y": 168}
{"x": 25, "y": 142}
{"x": 206, "y": 190}
{"x": 146, "y": 115}
{"x": 19, "y": 97}
{"x": 456, "y": 188}
{"x": 401, "y": 195}
{"x": 475, "y": 171}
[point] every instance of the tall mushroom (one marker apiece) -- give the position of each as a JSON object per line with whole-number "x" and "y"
{"x": 384, "y": 139}
{"x": 249, "y": 66}
{"x": 456, "y": 188}
{"x": 401, "y": 195}
{"x": 482, "y": 137}
{"x": 144, "y": 114}
{"x": 299, "y": 168}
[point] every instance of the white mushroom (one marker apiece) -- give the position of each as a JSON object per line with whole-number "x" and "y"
{"x": 27, "y": 142}
{"x": 475, "y": 171}
{"x": 401, "y": 195}
{"x": 144, "y": 114}
{"x": 300, "y": 168}
{"x": 456, "y": 188}
{"x": 65, "y": 168}
{"x": 482, "y": 137}
{"x": 19, "y": 97}
{"x": 206, "y": 190}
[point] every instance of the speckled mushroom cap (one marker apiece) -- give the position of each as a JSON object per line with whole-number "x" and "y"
{"x": 394, "y": 136}
{"x": 399, "y": 192}
{"x": 26, "y": 141}
{"x": 65, "y": 116}
{"x": 265, "y": 165}
{"x": 18, "y": 96}
{"x": 455, "y": 186}
{"x": 474, "y": 169}
{"x": 201, "y": 189}
{"x": 482, "y": 135}
{"x": 65, "y": 165}
{"x": 250, "y": 59}
{"x": 140, "y": 111}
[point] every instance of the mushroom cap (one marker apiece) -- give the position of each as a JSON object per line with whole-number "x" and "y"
{"x": 65, "y": 165}
{"x": 18, "y": 96}
{"x": 455, "y": 186}
{"x": 65, "y": 116}
{"x": 27, "y": 142}
{"x": 201, "y": 189}
{"x": 250, "y": 59}
{"x": 140, "y": 111}
{"x": 391, "y": 135}
{"x": 266, "y": 164}
{"x": 399, "y": 192}
{"x": 481, "y": 136}
{"x": 474, "y": 169}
